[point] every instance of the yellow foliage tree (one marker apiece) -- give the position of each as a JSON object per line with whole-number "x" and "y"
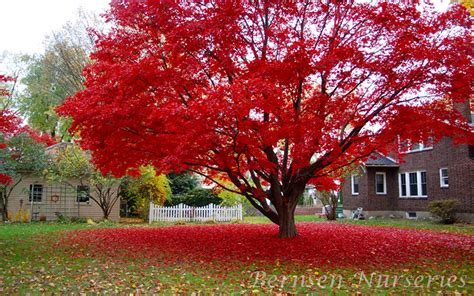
{"x": 150, "y": 187}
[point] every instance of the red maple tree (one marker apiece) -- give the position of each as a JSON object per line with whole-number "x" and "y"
{"x": 271, "y": 95}
{"x": 8, "y": 125}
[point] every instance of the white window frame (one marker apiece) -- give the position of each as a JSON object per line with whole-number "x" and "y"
{"x": 352, "y": 185}
{"x": 442, "y": 184}
{"x": 384, "y": 175}
{"x": 407, "y": 185}
{"x": 421, "y": 147}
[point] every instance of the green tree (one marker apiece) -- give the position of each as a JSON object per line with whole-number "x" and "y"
{"x": 185, "y": 189}
{"x": 15, "y": 66}
{"x": 72, "y": 163}
{"x": 197, "y": 197}
{"x": 57, "y": 74}
{"x": 182, "y": 183}
{"x": 232, "y": 197}
{"x": 22, "y": 155}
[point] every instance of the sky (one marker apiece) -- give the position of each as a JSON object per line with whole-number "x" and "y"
{"x": 25, "y": 23}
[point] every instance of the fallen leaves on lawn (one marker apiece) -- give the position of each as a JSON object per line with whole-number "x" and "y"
{"x": 319, "y": 244}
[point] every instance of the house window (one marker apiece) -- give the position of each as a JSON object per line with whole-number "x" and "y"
{"x": 355, "y": 184}
{"x": 83, "y": 193}
{"x": 407, "y": 147}
{"x": 420, "y": 147}
{"x": 413, "y": 184}
{"x": 380, "y": 183}
{"x": 443, "y": 177}
{"x": 424, "y": 189}
{"x": 403, "y": 185}
{"x": 413, "y": 178}
{"x": 36, "y": 193}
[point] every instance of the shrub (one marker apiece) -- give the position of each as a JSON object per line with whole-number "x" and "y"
{"x": 22, "y": 216}
{"x": 62, "y": 219}
{"x": 445, "y": 210}
{"x": 107, "y": 223}
{"x": 78, "y": 220}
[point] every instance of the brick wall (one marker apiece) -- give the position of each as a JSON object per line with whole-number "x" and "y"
{"x": 308, "y": 211}
{"x": 443, "y": 155}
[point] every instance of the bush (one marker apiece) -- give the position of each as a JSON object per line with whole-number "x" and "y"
{"x": 22, "y": 216}
{"x": 78, "y": 220}
{"x": 62, "y": 219}
{"x": 107, "y": 223}
{"x": 445, "y": 210}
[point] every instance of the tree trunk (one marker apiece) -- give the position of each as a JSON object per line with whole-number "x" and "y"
{"x": 331, "y": 215}
{"x": 105, "y": 212}
{"x": 4, "y": 206}
{"x": 286, "y": 217}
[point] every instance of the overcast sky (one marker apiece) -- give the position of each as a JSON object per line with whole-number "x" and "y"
{"x": 25, "y": 23}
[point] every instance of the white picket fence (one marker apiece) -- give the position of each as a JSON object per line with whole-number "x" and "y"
{"x": 186, "y": 213}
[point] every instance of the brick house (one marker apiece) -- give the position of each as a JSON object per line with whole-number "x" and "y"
{"x": 384, "y": 187}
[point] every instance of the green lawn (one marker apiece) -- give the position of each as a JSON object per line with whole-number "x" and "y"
{"x": 298, "y": 218}
{"x": 401, "y": 223}
{"x": 33, "y": 261}
{"x": 460, "y": 228}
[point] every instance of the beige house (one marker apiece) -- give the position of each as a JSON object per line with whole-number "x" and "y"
{"x": 39, "y": 199}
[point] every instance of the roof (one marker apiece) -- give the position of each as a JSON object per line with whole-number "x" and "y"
{"x": 58, "y": 145}
{"x": 380, "y": 160}
{"x": 53, "y": 150}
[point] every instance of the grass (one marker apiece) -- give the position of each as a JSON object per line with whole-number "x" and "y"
{"x": 264, "y": 220}
{"x": 459, "y": 228}
{"x": 31, "y": 262}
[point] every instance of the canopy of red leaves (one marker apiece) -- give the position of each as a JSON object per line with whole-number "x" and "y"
{"x": 5, "y": 179}
{"x": 219, "y": 87}
{"x": 41, "y": 138}
{"x": 284, "y": 93}
{"x": 4, "y": 91}
{"x": 9, "y": 123}
{"x": 320, "y": 244}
